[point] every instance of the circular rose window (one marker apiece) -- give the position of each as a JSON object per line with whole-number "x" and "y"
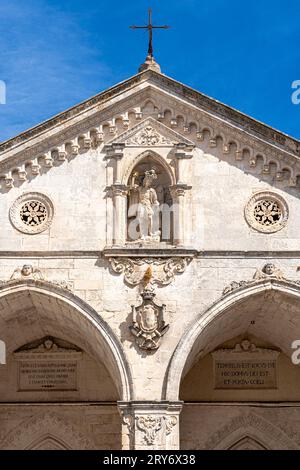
{"x": 267, "y": 212}
{"x": 32, "y": 213}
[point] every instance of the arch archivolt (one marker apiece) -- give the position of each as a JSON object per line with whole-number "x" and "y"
{"x": 257, "y": 429}
{"x": 129, "y": 165}
{"x": 44, "y": 429}
{"x": 230, "y": 317}
{"x": 44, "y": 309}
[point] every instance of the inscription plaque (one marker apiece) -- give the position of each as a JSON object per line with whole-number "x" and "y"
{"x": 245, "y": 367}
{"x": 47, "y": 375}
{"x": 48, "y": 364}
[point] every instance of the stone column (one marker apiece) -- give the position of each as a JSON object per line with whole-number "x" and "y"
{"x": 150, "y": 425}
{"x": 119, "y": 192}
{"x": 178, "y": 192}
{"x": 115, "y": 153}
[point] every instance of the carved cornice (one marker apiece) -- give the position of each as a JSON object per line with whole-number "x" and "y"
{"x": 166, "y": 83}
{"x": 197, "y": 109}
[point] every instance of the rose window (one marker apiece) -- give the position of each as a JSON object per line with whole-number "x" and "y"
{"x": 32, "y": 213}
{"x": 266, "y": 212}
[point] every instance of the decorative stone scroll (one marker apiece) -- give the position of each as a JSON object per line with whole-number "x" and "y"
{"x": 28, "y": 272}
{"x": 48, "y": 364}
{"x": 245, "y": 367}
{"x": 163, "y": 269}
{"x": 149, "y": 425}
{"x": 268, "y": 272}
{"x": 148, "y": 322}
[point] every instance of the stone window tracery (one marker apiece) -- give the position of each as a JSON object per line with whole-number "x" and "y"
{"x": 266, "y": 212}
{"x": 32, "y": 213}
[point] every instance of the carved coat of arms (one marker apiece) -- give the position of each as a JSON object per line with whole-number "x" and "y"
{"x": 148, "y": 322}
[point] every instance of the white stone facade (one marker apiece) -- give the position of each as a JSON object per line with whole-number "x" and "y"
{"x": 232, "y": 185}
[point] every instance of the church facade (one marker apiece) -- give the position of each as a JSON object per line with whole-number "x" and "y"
{"x": 149, "y": 276}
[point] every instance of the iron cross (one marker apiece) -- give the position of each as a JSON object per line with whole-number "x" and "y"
{"x": 150, "y": 28}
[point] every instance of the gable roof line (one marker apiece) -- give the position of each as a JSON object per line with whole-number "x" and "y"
{"x": 205, "y": 102}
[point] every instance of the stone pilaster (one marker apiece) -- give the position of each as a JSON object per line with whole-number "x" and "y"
{"x": 119, "y": 192}
{"x": 178, "y": 192}
{"x": 150, "y": 425}
{"x": 183, "y": 152}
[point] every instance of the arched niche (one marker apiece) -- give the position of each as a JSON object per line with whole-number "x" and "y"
{"x": 164, "y": 179}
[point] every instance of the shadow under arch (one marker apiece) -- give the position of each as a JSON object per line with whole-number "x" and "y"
{"x": 64, "y": 312}
{"x": 228, "y": 316}
{"x": 151, "y": 154}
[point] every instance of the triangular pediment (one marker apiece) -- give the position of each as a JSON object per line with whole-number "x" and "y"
{"x": 121, "y": 114}
{"x": 151, "y": 133}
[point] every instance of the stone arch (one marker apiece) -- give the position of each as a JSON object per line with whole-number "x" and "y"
{"x": 64, "y": 311}
{"x": 199, "y": 338}
{"x": 250, "y": 428}
{"x": 156, "y": 158}
{"x": 47, "y": 428}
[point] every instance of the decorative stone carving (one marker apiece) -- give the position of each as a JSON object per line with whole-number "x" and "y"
{"x": 32, "y": 213}
{"x": 267, "y": 212}
{"x": 42, "y": 424}
{"x": 235, "y": 429}
{"x": 163, "y": 269}
{"x": 48, "y": 345}
{"x": 148, "y": 322}
{"x": 171, "y": 422}
{"x": 268, "y": 272}
{"x": 149, "y": 425}
{"x": 144, "y": 206}
{"x": 151, "y": 133}
{"x": 148, "y": 137}
{"x": 28, "y": 272}
{"x": 243, "y": 347}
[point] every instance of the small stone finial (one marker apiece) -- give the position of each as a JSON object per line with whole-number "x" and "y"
{"x": 150, "y": 64}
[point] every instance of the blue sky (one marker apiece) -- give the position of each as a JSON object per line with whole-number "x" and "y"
{"x": 57, "y": 53}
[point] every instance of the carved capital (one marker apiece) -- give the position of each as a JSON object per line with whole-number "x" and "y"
{"x": 119, "y": 190}
{"x": 149, "y": 425}
{"x": 178, "y": 190}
